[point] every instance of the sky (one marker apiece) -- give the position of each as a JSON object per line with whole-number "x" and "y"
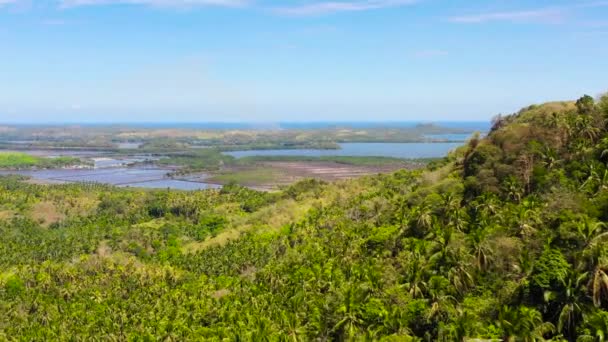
{"x": 291, "y": 60}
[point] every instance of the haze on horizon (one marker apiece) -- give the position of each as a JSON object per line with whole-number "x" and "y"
{"x": 283, "y": 61}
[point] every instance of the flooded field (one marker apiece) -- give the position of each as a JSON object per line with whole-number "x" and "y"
{"x": 144, "y": 177}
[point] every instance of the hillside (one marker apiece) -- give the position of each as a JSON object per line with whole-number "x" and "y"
{"x": 503, "y": 239}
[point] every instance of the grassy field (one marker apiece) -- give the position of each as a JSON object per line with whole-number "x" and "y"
{"x": 250, "y": 176}
{"x": 10, "y": 160}
{"x": 15, "y": 160}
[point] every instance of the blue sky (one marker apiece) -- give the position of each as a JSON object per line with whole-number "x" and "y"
{"x": 289, "y": 60}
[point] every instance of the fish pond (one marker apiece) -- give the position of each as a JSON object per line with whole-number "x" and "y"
{"x": 139, "y": 177}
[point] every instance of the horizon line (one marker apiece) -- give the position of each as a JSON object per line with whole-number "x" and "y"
{"x": 43, "y": 123}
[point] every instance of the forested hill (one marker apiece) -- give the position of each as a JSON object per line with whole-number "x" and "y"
{"x": 504, "y": 239}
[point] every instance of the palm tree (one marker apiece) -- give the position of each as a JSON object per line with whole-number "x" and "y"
{"x": 593, "y": 180}
{"x": 460, "y": 278}
{"x": 590, "y": 231}
{"x": 416, "y": 286}
{"x": 558, "y": 123}
{"x": 599, "y": 285}
{"x": 572, "y": 298}
{"x": 527, "y": 216}
{"x": 550, "y": 157}
{"x": 597, "y": 327}
{"x": 416, "y": 269}
{"x": 523, "y": 324}
{"x": 476, "y": 240}
{"x": 513, "y": 189}
{"x": 487, "y": 204}
{"x": 463, "y": 326}
{"x": 291, "y": 322}
{"x": 591, "y": 132}
{"x": 451, "y": 212}
{"x": 421, "y": 218}
{"x": 603, "y": 146}
{"x": 348, "y": 326}
{"x": 443, "y": 253}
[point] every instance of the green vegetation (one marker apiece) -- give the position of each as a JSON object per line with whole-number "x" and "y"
{"x": 14, "y": 160}
{"x": 197, "y": 160}
{"x": 163, "y": 145}
{"x": 248, "y": 176}
{"x": 504, "y": 240}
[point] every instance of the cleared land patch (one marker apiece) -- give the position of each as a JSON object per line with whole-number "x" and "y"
{"x": 46, "y": 213}
{"x": 269, "y": 175}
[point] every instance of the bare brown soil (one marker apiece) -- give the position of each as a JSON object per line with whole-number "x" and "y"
{"x": 328, "y": 171}
{"x": 286, "y": 173}
{"x": 46, "y": 213}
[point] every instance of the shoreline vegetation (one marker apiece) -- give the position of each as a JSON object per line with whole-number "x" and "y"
{"x": 110, "y": 138}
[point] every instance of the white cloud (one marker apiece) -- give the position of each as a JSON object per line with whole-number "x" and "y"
{"x": 542, "y": 15}
{"x": 552, "y": 14}
{"x": 328, "y": 7}
{"x": 155, "y": 3}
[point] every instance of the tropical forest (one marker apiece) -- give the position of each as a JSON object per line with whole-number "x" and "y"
{"x": 505, "y": 239}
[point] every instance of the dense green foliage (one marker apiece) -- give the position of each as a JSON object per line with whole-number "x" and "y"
{"x": 15, "y": 160}
{"x": 197, "y": 160}
{"x": 504, "y": 239}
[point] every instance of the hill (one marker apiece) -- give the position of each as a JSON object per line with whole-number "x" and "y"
{"x": 503, "y": 239}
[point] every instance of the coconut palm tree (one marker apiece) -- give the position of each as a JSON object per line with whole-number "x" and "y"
{"x": 350, "y": 311}
{"x": 523, "y": 324}
{"x": 572, "y": 300}
{"x": 421, "y": 220}
{"x": 463, "y": 326}
{"x": 590, "y": 231}
{"x": 596, "y": 327}
{"x": 477, "y": 242}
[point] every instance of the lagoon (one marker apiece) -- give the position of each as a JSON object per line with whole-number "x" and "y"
{"x": 394, "y": 150}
